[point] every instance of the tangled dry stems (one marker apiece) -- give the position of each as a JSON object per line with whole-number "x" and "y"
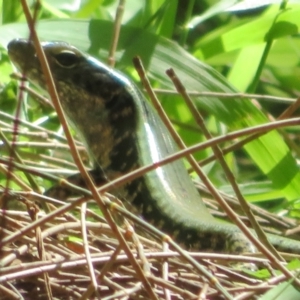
{"x": 24, "y": 275}
{"x": 53, "y": 259}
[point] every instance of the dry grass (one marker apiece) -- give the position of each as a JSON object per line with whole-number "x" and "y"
{"x": 52, "y": 259}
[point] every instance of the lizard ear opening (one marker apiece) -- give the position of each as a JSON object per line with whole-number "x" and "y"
{"x": 66, "y": 59}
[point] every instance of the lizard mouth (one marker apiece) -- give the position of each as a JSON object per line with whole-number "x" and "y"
{"x": 23, "y": 55}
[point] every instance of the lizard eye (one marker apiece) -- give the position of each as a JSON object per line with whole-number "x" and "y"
{"x": 66, "y": 59}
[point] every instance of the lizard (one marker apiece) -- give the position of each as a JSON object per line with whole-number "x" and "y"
{"x": 121, "y": 132}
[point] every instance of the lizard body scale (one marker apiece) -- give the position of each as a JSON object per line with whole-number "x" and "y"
{"x": 122, "y": 132}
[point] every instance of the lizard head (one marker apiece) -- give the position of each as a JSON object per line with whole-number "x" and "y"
{"x": 70, "y": 68}
{"x": 100, "y": 102}
{"x": 62, "y": 58}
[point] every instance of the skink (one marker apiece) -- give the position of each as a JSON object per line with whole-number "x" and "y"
{"x": 122, "y": 132}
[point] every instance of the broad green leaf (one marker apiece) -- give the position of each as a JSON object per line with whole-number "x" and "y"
{"x": 253, "y": 32}
{"x": 169, "y": 19}
{"x": 246, "y": 64}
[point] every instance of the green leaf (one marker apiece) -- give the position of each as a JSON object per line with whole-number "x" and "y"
{"x": 253, "y": 32}
{"x": 246, "y": 63}
{"x": 213, "y": 10}
{"x": 280, "y": 29}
